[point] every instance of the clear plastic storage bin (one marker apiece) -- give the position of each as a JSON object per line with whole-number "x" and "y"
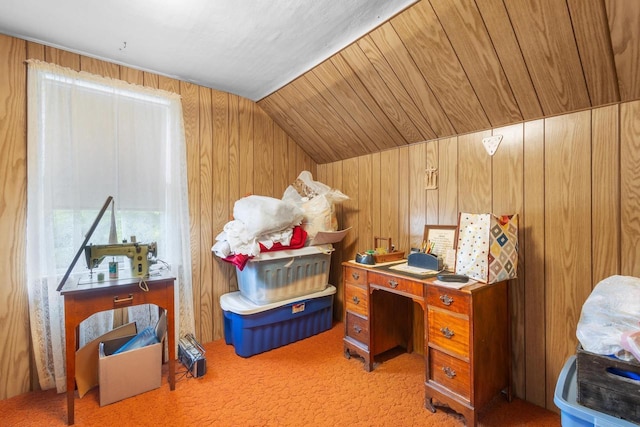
{"x": 280, "y": 275}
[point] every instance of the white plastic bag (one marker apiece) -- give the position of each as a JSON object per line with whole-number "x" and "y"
{"x": 612, "y": 309}
{"x": 317, "y": 201}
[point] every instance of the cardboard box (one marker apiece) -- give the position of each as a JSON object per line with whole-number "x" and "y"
{"x": 131, "y": 372}
{"x": 87, "y": 357}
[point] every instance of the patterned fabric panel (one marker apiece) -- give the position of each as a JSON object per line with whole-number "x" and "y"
{"x": 487, "y": 247}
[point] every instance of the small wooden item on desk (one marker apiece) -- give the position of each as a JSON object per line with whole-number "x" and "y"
{"x": 390, "y": 255}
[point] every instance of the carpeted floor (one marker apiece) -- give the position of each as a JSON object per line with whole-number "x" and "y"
{"x": 307, "y": 383}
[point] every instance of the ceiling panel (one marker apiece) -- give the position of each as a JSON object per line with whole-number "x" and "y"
{"x": 412, "y": 80}
{"x": 589, "y": 19}
{"x": 244, "y": 47}
{"x": 471, "y": 42}
{"x": 503, "y": 38}
{"x": 544, "y": 31}
{"x": 373, "y": 83}
{"x": 430, "y": 49}
{"x": 624, "y": 27}
{"x": 355, "y": 79}
{"x": 396, "y": 90}
{"x": 447, "y": 67}
{"x": 352, "y": 105}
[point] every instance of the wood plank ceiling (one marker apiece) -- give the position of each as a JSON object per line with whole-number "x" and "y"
{"x": 449, "y": 67}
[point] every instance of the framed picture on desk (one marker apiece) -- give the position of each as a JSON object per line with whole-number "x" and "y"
{"x": 442, "y": 241}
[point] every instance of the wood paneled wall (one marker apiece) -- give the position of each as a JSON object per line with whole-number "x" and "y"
{"x": 14, "y": 310}
{"x": 574, "y": 181}
{"x": 233, "y": 149}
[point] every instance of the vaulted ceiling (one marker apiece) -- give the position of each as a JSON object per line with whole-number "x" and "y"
{"x": 245, "y": 47}
{"x": 447, "y": 67}
{"x": 426, "y": 69}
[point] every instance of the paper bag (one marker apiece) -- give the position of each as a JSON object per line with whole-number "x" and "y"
{"x": 487, "y": 247}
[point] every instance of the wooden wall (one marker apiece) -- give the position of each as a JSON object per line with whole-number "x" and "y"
{"x": 233, "y": 149}
{"x": 574, "y": 181}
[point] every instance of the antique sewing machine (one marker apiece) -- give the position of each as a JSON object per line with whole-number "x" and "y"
{"x": 141, "y": 255}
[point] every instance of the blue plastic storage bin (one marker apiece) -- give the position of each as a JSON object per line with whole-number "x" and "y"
{"x": 253, "y": 328}
{"x": 572, "y": 413}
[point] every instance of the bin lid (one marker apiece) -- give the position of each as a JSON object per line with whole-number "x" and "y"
{"x": 291, "y": 253}
{"x": 237, "y": 303}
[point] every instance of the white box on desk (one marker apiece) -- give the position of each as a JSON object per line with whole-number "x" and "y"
{"x": 131, "y": 372}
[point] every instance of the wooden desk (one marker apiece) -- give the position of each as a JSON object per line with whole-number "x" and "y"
{"x": 83, "y": 300}
{"x": 467, "y": 344}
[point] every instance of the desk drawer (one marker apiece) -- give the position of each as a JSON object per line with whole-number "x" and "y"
{"x": 452, "y": 373}
{"x": 123, "y": 296}
{"x": 397, "y": 284}
{"x": 449, "y": 332}
{"x": 448, "y": 299}
{"x": 356, "y": 299}
{"x": 355, "y": 275}
{"x": 358, "y": 328}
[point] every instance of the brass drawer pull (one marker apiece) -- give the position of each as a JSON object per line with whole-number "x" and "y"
{"x": 355, "y": 299}
{"x": 448, "y": 333}
{"x": 117, "y": 300}
{"x": 393, "y": 284}
{"x": 449, "y": 372}
{"x": 357, "y": 328}
{"x": 446, "y": 299}
{"x": 355, "y": 275}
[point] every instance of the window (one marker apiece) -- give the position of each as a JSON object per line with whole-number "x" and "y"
{"x": 91, "y": 137}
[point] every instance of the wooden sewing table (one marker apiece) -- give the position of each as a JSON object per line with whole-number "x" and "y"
{"x": 81, "y": 300}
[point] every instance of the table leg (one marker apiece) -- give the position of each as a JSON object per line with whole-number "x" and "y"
{"x": 77, "y": 311}
{"x": 171, "y": 337}
{"x": 70, "y": 344}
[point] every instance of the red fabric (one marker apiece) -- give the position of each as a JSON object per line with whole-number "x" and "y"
{"x": 239, "y": 260}
{"x": 298, "y": 238}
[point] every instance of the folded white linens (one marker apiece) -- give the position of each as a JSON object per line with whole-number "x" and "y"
{"x": 236, "y": 240}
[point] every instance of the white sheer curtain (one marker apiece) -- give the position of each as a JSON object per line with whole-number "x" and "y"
{"x": 91, "y": 137}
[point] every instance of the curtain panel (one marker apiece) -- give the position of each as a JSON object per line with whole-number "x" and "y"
{"x": 88, "y": 138}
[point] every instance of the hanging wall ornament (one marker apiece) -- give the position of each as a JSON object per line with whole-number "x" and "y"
{"x": 430, "y": 178}
{"x": 491, "y": 143}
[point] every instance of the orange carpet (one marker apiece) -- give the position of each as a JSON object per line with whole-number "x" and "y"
{"x": 307, "y": 383}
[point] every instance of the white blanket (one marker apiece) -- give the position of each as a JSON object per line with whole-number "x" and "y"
{"x": 262, "y": 214}
{"x": 257, "y": 219}
{"x": 235, "y": 240}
